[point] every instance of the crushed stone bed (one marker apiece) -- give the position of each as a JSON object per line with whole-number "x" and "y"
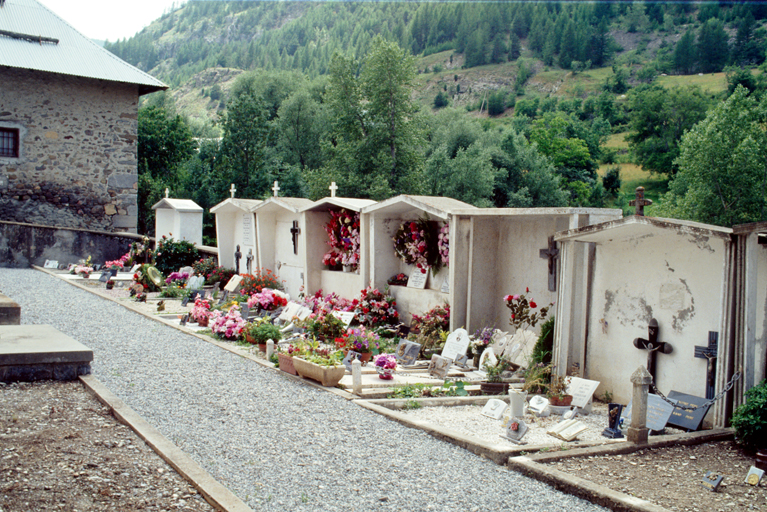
{"x": 276, "y": 443}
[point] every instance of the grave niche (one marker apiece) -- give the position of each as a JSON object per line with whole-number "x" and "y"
{"x": 180, "y": 219}
{"x": 424, "y": 290}
{"x": 281, "y": 239}
{"x": 236, "y": 226}
{"x": 317, "y": 274}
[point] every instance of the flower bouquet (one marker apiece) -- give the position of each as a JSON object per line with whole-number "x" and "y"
{"x": 361, "y": 340}
{"x": 177, "y": 279}
{"x": 415, "y": 243}
{"x": 200, "y": 311}
{"x": 118, "y": 264}
{"x": 376, "y": 308}
{"x": 385, "y": 365}
{"x": 480, "y": 341}
{"x": 268, "y": 300}
{"x": 443, "y": 244}
{"x": 343, "y": 230}
{"x": 320, "y": 303}
{"x": 260, "y": 279}
{"x": 432, "y": 327}
{"x": 228, "y": 325}
{"x": 398, "y": 280}
{"x": 83, "y": 271}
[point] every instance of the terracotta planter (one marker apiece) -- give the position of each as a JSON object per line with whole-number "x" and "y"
{"x": 761, "y": 459}
{"x": 110, "y": 286}
{"x": 494, "y": 388}
{"x": 203, "y": 322}
{"x": 286, "y": 363}
{"x": 262, "y": 347}
{"x": 328, "y": 376}
{"x": 250, "y": 339}
{"x": 563, "y": 401}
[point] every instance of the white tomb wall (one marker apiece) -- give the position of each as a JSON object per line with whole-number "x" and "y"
{"x": 188, "y": 226}
{"x": 165, "y": 223}
{"x": 673, "y": 277}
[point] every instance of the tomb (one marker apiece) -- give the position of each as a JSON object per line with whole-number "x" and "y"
{"x": 180, "y": 219}
{"x": 500, "y": 251}
{"x": 41, "y": 352}
{"x": 641, "y": 269}
{"x": 317, "y": 274}
{"x": 10, "y": 312}
{"x": 236, "y": 227}
{"x": 423, "y": 291}
{"x": 281, "y": 240}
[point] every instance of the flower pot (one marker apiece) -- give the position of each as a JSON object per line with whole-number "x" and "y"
{"x": 203, "y": 322}
{"x": 286, "y": 363}
{"x": 365, "y": 357}
{"x": 494, "y": 388}
{"x": 262, "y": 347}
{"x": 250, "y": 339}
{"x": 761, "y": 460}
{"x": 385, "y": 373}
{"x": 328, "y": 376}
{"x": 110, "y": 286}
{"x": 563, "y": 401}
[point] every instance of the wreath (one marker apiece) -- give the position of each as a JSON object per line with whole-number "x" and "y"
{"x": 417, "y": 243}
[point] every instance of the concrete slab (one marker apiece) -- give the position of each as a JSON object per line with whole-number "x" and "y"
{"x": 10, "y": 312}
{"x": 41, "y": 352}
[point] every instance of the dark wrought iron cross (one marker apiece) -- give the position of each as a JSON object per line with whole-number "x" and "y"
{"x": 551, "y": 253}
{"x": 709, "y": 353}
{"x": 652, "y": 346}
{"x": 640, "y": 202}
{"x": 295, "y": 231}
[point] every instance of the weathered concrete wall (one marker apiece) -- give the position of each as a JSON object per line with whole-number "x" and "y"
{"x": 77, "y": 161}
{"x": 23, "y": 245}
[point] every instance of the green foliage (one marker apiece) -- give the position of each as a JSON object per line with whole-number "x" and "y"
{"x": 544, "y": 347}
{"x": 326, "y": 327}
{"x": 612, "y": 180}
{"x": 723, "y": 166}
{"x": 411, "y": 405}
{"x": 496, "y": 103}
{"x": 173, "y": 292}
{"x": 204, "y": 266}
{"x": 750, "y": 419}
{"x": 440, "y": 100}
{"x": 170, "y": 255}
{"x": 219, "y": 275}
{"x": 449, "y": 388}
{"x": 261, "y": 332}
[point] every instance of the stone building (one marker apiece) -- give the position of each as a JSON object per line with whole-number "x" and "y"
{"x": 68, "y": 124}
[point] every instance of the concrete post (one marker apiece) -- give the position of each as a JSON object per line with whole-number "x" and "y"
{"x": 638, "y": 431}
{"x": 269, "y": 349}
{"x": 357, "y": 377}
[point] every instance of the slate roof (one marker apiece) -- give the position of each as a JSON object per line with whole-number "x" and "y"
{"x": 34, "y": 37}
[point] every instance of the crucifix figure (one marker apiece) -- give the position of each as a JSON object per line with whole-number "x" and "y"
{"x": 640, "y": 202}
{"x": 709, "y": 354}
{"x": 551, "y": 253}
{"x": 249, "y": 261}
{"x": 652, "y": 346}
{"x": 276, "y": 188}
{"x": 232, "y": 190}
{"x": 237, "y": 256}
{"x": 167, "y": 192}
{"x": 333, "y": 187}
{"x": 295, "y": 231}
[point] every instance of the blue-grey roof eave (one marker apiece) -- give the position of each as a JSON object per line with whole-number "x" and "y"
{"x": 73, "y": 54}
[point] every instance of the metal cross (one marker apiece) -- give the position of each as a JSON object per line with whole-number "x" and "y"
{"x": 709, "y": 353}
{"x": 295, "y": 231}
{"x": 551, "y": 253}
{"x": 640, "y": 202}
{"x": 652, "y": 345}
{"x": 276, "y": 188}
{"x": 333, "y": 187}
{"x": 232, "y": 190}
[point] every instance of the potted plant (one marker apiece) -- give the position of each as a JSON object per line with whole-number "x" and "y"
{"x": 325, "y": 326}
{"x": 431, "y": 329}
{"x": 200, "y": 311}
{"x": 110, "y": 284}
{"x": 495, "y": 385}
{"x": 362, "y": 341}
{"x": 750, "y": 423}
{"x": 228, "y": 325}
{"x": 320, "y": 364}
{"x": 385, "y": 365}
{"x": 479, "y": 342}
{"x": 260, "y": 332}
{"x": 285, "y": 359}
{"x": 557, "y": 393}
{"x": 398, "y": 280}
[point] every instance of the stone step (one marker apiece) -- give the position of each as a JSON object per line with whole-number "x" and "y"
{"x": 10, "y": 312}
{"x": 41, "y": 352}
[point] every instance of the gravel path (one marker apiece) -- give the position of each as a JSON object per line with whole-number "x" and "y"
{"x": 278, "y": 444}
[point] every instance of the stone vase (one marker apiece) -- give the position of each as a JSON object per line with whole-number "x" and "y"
{"x": 328, "y": 376}
{"x": 286, "y": 363}
{"x": 761, "y": 459}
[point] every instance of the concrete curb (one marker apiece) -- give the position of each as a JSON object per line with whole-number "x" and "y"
{"x": 226, "y": 346}
{"x": 532, "y": 466}
{"x": 214, "y": 493}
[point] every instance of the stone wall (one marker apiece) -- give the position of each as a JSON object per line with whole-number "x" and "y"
{"x": 77, "y": 161}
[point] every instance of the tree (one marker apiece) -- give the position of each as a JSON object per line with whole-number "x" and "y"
{"x": 659, "y": 117}
{"x": 722, "y": 176}
{"x": 684, "y": 53}
{"x": 298, "y": 125}
{"x": 713, "y": 50}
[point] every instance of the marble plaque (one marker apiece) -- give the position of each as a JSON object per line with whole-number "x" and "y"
{"x": 658, "y": 413}
{"x": 445, "y": 288}
{"x": 247, "y": 230}
{"x": 407, "y": 352}
{"x": 582, "y": 391}
{"x": 233, "y": 284}
{"x": 516, "y": 430}
{"x": 494, "y": 408}
{"x": 687, "y": 420}
{"x": 457, "y": 344}
{"x": 51, "y": 264}
{"x": 290, "y": 311}
{"x": 417, "y": 279}
{"x": 345, "y": 316}
{"x": 487, "y": 357}
{"x": 439, "y": 366}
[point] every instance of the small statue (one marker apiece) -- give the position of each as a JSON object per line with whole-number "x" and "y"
{"x": 237, "y": 257}
{"x": 249, "y": 261}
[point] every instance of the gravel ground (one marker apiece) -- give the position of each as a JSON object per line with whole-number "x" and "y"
{"x": 276, "y": 443}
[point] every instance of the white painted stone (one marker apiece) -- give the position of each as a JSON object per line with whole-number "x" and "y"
{"x": 456, "y": 345}
{"x": 582, "y": 391}
{"x": 180, "y": 219}
{"x": 235, "y": 226}
{"x": 494, "y": 408}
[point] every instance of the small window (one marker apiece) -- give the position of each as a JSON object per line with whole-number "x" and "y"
{"x": 9, "y": 142}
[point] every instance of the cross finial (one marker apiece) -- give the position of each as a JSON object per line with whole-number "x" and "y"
{"x": 167, "y": 192}
{"x": 232, "y": 190}
{"x": 333, "y": 187}
{"x": 640, "y": 202}
{"x": 276, "y": 188}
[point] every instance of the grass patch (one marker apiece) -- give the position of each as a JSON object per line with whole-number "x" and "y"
{"x": 712, "y": 83}
{"x": 617, "y": 141}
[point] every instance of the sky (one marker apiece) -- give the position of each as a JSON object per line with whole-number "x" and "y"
{"x": 109, "y": 19}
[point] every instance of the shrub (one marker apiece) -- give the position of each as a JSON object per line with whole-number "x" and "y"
{"x": 429, "y": 329}
{"x": 220, "y": 275}
{"x": 544, "y": 347}
{"x": 262, "y": 332}
{"x": 260, "y": 279}
{"x": 204, "y": 266}
{"x": 750, "y": 419}
{"x": 440, "y": 100}
{"x": 326, "y": 327}
{"x": 612, "y": 180}
{"x": 170, "y": 255}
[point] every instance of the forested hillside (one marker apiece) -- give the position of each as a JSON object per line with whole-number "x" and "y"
{"x": 496, "y": 104}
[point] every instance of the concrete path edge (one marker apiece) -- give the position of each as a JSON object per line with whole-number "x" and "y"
{"x": 214, "y": 493}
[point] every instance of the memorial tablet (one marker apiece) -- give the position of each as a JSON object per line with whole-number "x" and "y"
{"x": 456, "y": 345}
{"x": 51, "y": 264}
{"x": 417, "y": 279}
{"x": 687, "y": 420}
{"x": 515, "y": 431}
{"x": 582, "y": 391}
{"x": 658, "y": 413}
{"x": 494, "y": 408}
{"x": 407, "y": 352}
{"x": 345, "y": 316}
{"x": 445, "y": 288}
{"x": 439, "y": 366}
{"x": 105, "y": 275}
{"x": 290, "y": 311}
{"x": 233, "y": 284}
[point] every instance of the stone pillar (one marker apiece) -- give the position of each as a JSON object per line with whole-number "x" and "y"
{"x": 357, "y": 377}
{"x": 637, "y": 432}
{"x": 269, "y": 349}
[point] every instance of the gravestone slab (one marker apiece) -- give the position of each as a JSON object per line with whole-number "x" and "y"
{"x": 345, "y": 316}
{"x": 105, "y": 275}
{"x": 41, "y": 352}
{"x": 439, "y": 366}
{"x": 445, "y": 288}
{"x": 290, "y": 311}
{"x": 687, "y": 420}
{"x": 499, "y": 340}
{"x": 417, "y": 279}
{"x": 754, "y": 476}
{"x": 712, "y": 480}
{"x": 487, "y": 357}
{"x": 519, "y": 348}
{"x": 538, "y": 405}
{"x": 494, "y": 408}
{"x": 456, "y": 345}
{"x": 515, "y": 431}
{"x": 233, "y": 284}
{"x": 582, "y": 391}
{"x": 196, "y": 283}
{"x": 51, "y": 264}
{"x": 10, "y": 312}
{"x": 407, "y": 352}
{"x": 349, "y": 359}
{"x": 658, "y": 413}
{"x": 135, "y": 268}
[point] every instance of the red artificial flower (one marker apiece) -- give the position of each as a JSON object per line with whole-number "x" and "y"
{"x": 533, "y": 304}
{"x": 527, "y": 290}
